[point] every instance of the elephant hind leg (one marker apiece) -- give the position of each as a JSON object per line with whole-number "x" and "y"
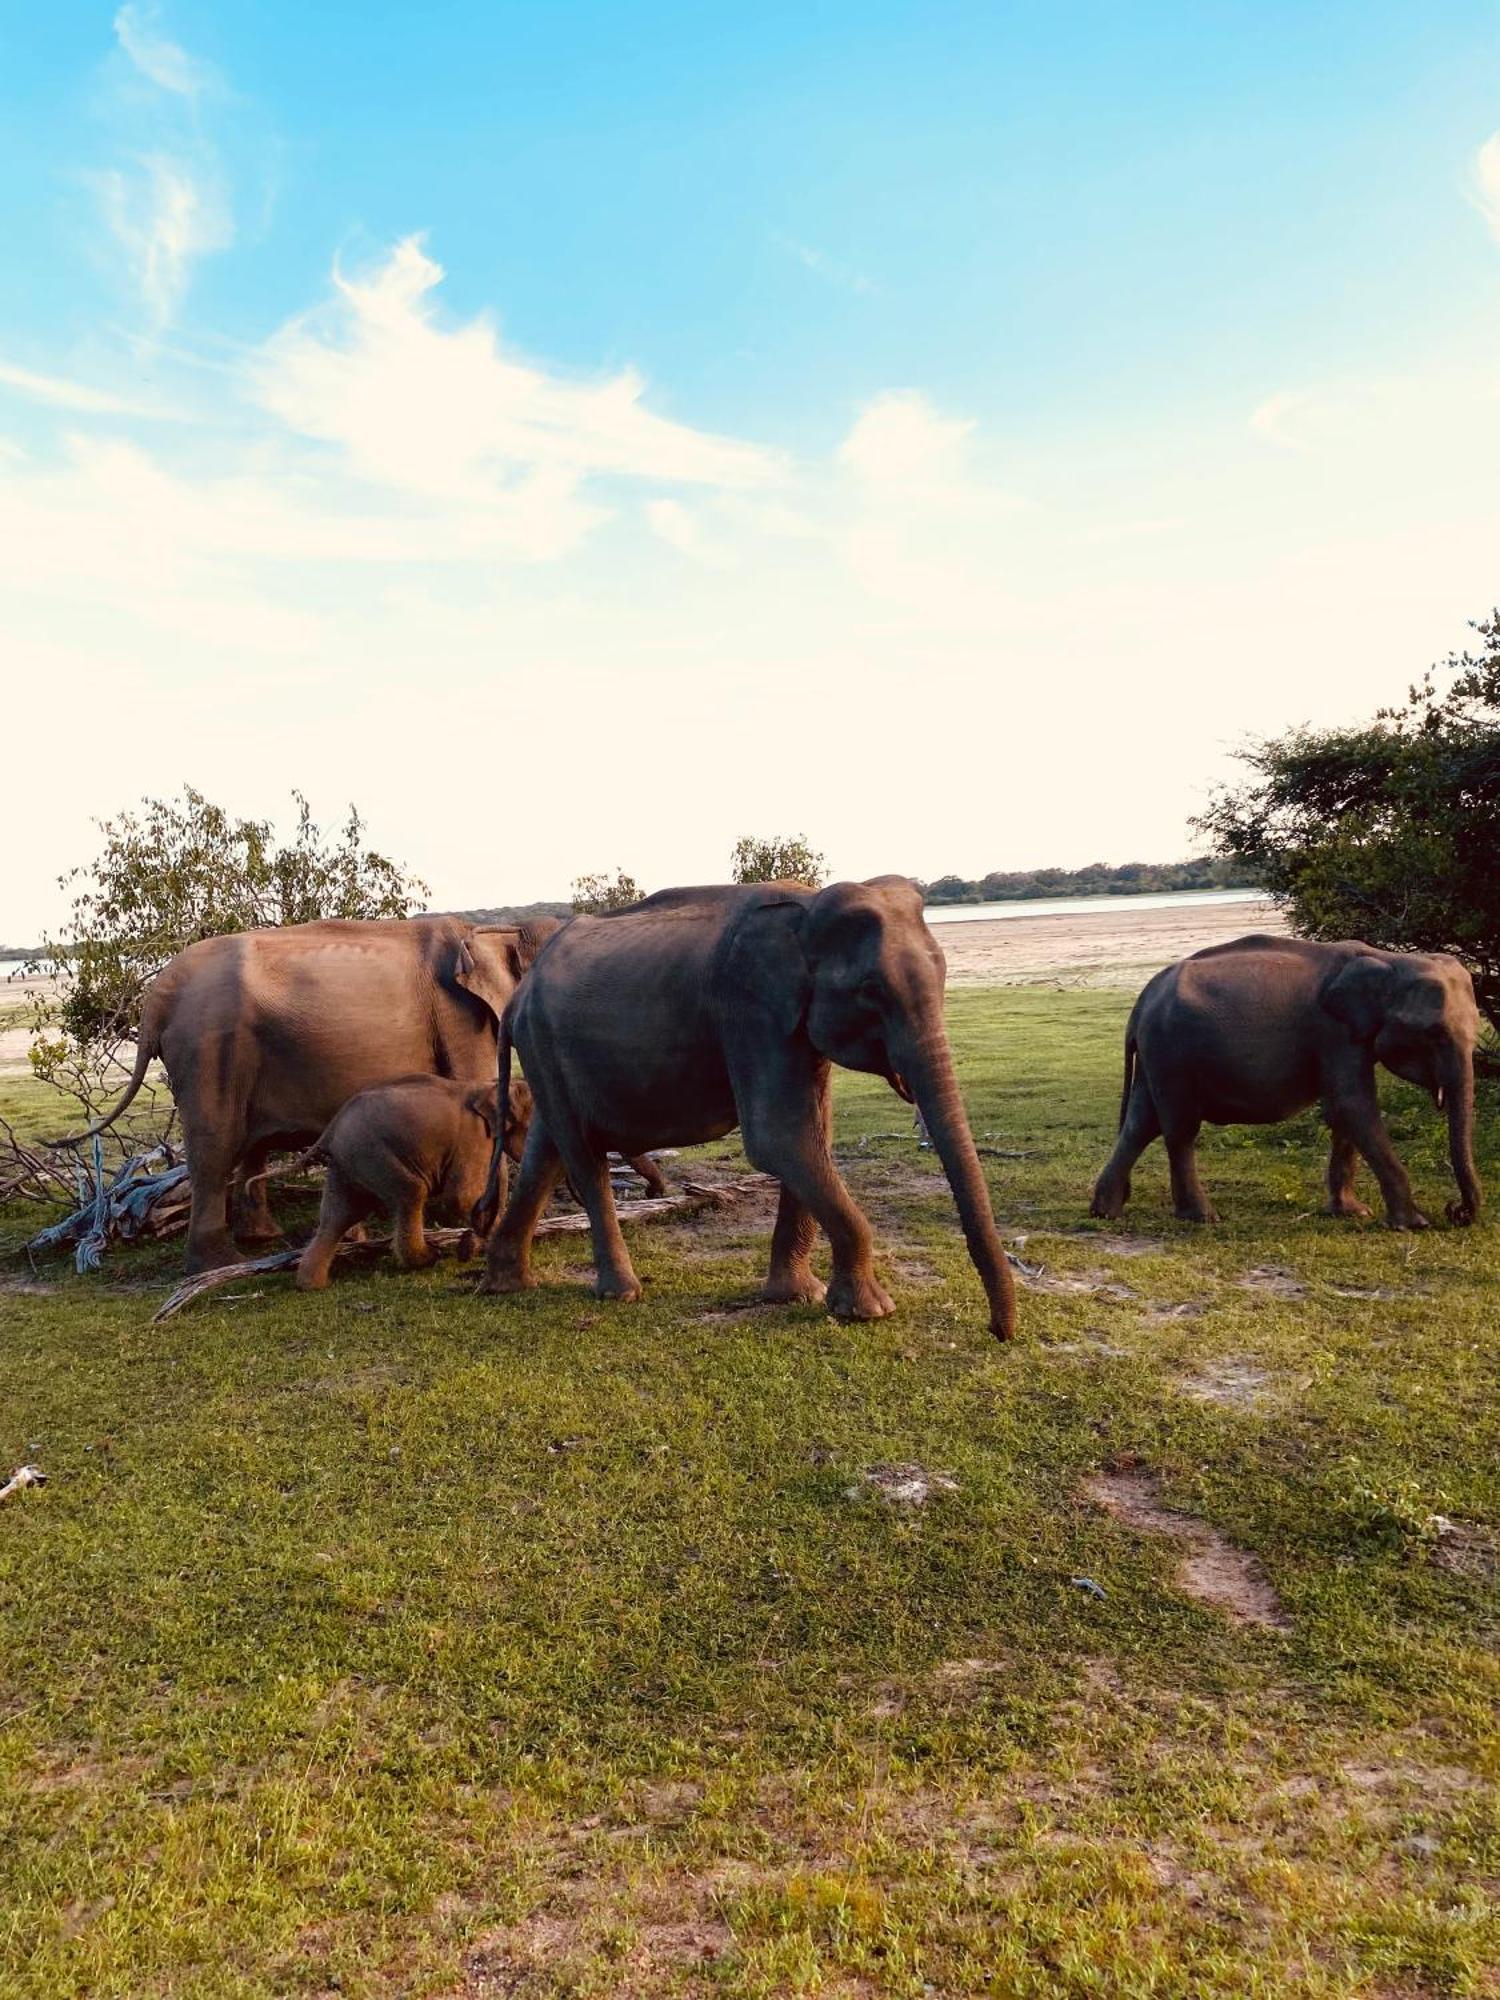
{"x": 408, "y": 1206}
{"x": 211, "y": 1163}
{"x": 343, "y": 1206}
{"x": 250, "y": 1212}
{"x": 1140, "y": 1127}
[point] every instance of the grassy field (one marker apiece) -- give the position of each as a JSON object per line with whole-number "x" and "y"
{"x": 402, "y": 1641}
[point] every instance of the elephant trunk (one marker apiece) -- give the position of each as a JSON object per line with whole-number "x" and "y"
{"x": 927, "y": 1067}
{"x": 1458, "y": 1090}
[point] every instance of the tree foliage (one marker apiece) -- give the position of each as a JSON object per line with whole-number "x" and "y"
{"x": 1131, "y": 878}
{"x": 1389, "y": 830}
{"x": 778, "y": 858}
{"x": 172, "y": 872}
{"x": 593, "y": 893}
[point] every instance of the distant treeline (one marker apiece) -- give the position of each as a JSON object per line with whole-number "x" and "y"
{"x": 1132, "y": 878}
{"x": 514, "y": 913}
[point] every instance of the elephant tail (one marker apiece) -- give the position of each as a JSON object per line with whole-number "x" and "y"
{"x": 1130, "y": 1067}
{"x": 147, "y": 1049}
{"x": 483, "y": 1215}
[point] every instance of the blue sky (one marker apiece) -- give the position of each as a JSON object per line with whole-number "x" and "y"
{"x": 947, "y": 431}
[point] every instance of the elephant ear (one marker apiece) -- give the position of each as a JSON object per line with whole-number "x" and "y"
{"x": 1360, "y": 995}
{"x": 765, "y": 967}
{"x": 489, "y": 963}
{"x": 483, "y": 1101}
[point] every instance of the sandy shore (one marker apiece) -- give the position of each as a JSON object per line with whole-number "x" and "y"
{"x": 1110, "y": 947}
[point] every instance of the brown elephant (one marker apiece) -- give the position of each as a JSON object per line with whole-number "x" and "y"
{"x": 265, "y": 1034}
{"x": 672, "y": 1021}
{"x": 1250, "y": 1032}
{"x": 402, "y": 1146}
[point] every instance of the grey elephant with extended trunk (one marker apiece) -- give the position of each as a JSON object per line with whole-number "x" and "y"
{"x": 672, "y": 1021}
{"x": 265, "y": 1034}
{"x": 1251, "y": 1032}
{"x": 403, "y": 1146}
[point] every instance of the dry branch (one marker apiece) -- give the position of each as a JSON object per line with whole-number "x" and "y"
{"x": 695, "y": 1195}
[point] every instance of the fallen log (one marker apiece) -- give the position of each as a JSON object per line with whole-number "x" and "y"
{"x": 695, "y": 1195}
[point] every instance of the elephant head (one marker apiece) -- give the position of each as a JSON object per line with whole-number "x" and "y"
{"x": 1417, "y": 1015}
{"x": 869, "y": 982}
{"x": 492, "y": 958}
{"x": 483, "y": 1100}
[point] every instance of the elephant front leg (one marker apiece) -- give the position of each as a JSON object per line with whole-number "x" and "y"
{"x": 1358, "y": 1111}
{"x": 507, "y": 1263}
{"x": 791, "y": 1279}
{"x": 1343, "y": 1160}
{"x": 786, "y": 1134}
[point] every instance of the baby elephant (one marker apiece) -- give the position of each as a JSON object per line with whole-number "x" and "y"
{"x": 399, "y": 1146}
{"x": 1249, "y": 1033}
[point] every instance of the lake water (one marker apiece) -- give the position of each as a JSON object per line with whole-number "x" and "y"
{"x": 1082, "y": 906}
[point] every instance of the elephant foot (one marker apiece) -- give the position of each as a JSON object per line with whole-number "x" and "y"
{"x": 1204, "y": 1213}
{"x": 1349, "y": 1206}
{"x": 1107, "y": 1205}
{"x": 507, "y": 1278}
{"x": 1461, "y": 1214}
{"x": 262, "y": 1242}
{"x": 794, "y": 1288}
{"x": 418, "y": 1260}
{"x": 211, "y": 1253}
{"x": 311, "y": 1281}
{"x": 856, "y": 1297}
{"x": 622, "y": 1285}
{"x": 1409, "y": 1218}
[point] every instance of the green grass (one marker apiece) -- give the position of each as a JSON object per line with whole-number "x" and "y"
{"x": 399, "y": 1641}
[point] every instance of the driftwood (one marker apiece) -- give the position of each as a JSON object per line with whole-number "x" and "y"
{"x": 132, "y": 1204}
{"x": 695, "y": 1195}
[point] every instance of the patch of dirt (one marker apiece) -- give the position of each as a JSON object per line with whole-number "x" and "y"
{"x": 1231, "y": 1383}
{"x": 1274, "y": 1280}
{"x": 1079, "y": 1284}
{"x": 1465, "y": 1549}
{"x": 1106, "y": 1244}
{"x": 1162, "y": 1312}
{"x": 27, "y": 1288}
{"x": 963, "y": 1673}
{"x": 1211, "y": 1570}
{"x": 1096, "y": 1348}
{"x": 904, "y": 1483}
{"x": 540, "y": 1956}
{"x": 1373, "y": 1292}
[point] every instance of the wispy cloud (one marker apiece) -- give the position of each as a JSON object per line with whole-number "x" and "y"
{"x": 165, "y": 213}
{"x": 833, "y": 270}
{"x": 1485, "y": 192}
{"x": 1276, "y": 419}
{"x": 158, "y": 58}
{"x": 446, "y": 414}
{"x": 61, "y": 394}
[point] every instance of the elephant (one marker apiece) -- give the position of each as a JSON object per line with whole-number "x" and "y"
{"x": 676, "y": 1019}
{"x": 400, "y": 1146}
{"x": 1250, "y": 1032}
{"x": 265, "y": 1033}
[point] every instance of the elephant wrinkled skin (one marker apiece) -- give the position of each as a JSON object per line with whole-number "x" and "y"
{"x": 1255, "y": 1031}
{"x": 265, "y": 1034}
{"x": 672, "y": 1021}
{"x": 400, "y": 1147}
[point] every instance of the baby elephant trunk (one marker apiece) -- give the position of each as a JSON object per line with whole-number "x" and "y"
{"x": 927, "y": 1068}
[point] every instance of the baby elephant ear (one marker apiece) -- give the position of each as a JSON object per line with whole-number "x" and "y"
{"x": 483, "y": 1101}
{"x": 1360, "y": 995}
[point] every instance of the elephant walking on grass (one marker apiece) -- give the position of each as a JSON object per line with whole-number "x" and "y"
{"x": 673, "y": 1021}
{"x": 265, "y": 1034}
{"x": 403, "y": 1146}
{"x": 1252, "y": 1032}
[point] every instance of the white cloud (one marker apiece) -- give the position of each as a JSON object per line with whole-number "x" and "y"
{"x": 157, "y": 58}
{"x": 447, "y": 415}
{"x": 676, "y": 526}
{"x": 165, "y": 214}
{"x": 1486, "y": 190}
{"x": 61, "y": 394}
{"x": 901, "y": 440}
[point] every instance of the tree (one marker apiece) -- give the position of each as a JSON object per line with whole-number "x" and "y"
{"x": 1388, "y": 830}
{"x": 169, "y": 874}
{"x": 593, "y": 893}
{"x": 778, "y": 858}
